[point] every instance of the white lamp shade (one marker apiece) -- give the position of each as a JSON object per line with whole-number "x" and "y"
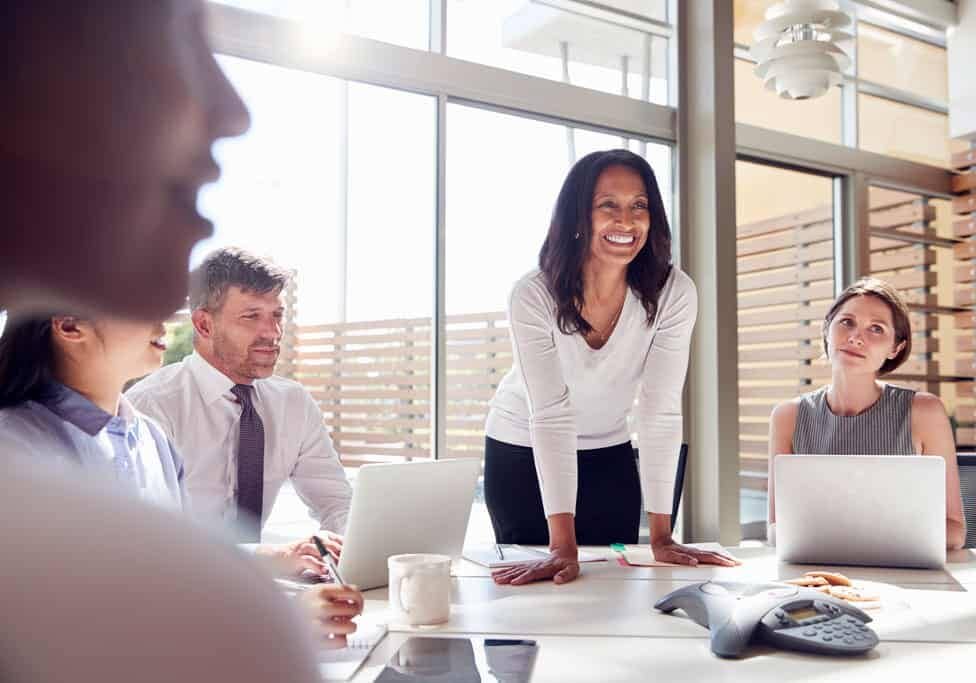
{"x": 798, "y": 48}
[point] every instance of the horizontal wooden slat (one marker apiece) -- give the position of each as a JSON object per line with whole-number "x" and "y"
{"x": 964, "y": 159}
{"x": 752, "y": 335}
{"x": 419, "y": 423}
{"x": 966, "y": 414}
{"x": 964, "y": 182}
{"x": 913, "y": 279}
{"x": 965, "y": 342}
{"x": 795, "y": 352}
{"x": 818, "y": 232}
{"x": 343, "y": 438}
{"x": 964, "y": 296}
{"x": 964, "y": 250}
{"x": 754, "y": 428}
{"x": 367, "y": 353}
{"x": 779, "y": 392}
{"x": 965, "y": 321}
{"x": 384, "y": 450}
{"x": 755, "y": 410}
{"x": 964, "y": 228}
{"x": 333, "y": 393}
{"x": 783, "y": 295}
{"x": 785, "y": 222}
{"x": 966, "y": 367}
{"x": 906, "y": 257}
{"x": 966, "y": 436}
{"x": 964, "y": 204}
{"x": 905, "y": 214}
{"x": 818, "y": 271}
{"x": 814, "y": 312}
{"x": 379, "y": 381}
{"x": 822, "y": 251}
{"x": 965, "y": 390}
{"x": 964, "y": 272}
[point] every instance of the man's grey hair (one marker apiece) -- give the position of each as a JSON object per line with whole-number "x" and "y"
{"x": 229, "y": 267}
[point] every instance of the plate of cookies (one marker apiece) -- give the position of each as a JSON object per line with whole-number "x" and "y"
{"x": 862, "y": 594}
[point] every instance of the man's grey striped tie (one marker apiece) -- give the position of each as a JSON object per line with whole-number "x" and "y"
{"x": 250, "y": 467}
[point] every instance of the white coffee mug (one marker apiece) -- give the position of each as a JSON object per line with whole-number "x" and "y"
{"x": 420, "y": 588}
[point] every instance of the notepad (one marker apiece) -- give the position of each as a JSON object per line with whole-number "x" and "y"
{"x": 342, "y": 663}
{"x": 640, "y": 556}
{"x": 487, "y": 556}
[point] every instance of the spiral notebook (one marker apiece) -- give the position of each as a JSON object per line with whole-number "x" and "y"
{"x": 342, "y": 663}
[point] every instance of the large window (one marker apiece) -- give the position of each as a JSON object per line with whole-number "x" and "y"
{"x": 616, "y": 46}
{"x": 785, "y": 266}
{"x": 320, "y": 185}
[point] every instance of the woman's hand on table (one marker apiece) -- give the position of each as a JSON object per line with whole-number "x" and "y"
{"x": 562, "y": 566}
{"x": 666, "y": 550}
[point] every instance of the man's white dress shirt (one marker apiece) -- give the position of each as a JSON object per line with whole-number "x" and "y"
{"x": 193, "y": 403}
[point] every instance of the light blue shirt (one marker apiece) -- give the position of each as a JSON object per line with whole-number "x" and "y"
{"x": 129, "y": 447}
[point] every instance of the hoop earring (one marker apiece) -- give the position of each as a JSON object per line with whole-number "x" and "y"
{"x": 576, "y": 237}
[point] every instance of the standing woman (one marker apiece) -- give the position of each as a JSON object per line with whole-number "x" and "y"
{"x": 867, "y": 334}
{"x": 604, "y": 320}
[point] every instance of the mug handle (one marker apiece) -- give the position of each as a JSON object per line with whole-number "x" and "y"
{"x": 400, "y": 583}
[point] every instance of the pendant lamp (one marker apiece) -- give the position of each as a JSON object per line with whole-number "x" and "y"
{"x": 797, "y": 47}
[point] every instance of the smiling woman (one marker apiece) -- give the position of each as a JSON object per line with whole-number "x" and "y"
{"x": 605, "y": 317}
{"x": 61, "y": 380}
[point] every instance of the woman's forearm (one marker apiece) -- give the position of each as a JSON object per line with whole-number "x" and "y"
{"x": 955, "y": 534}
{"x": 562, "y": 533}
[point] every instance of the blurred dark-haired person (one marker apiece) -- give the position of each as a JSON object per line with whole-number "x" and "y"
{"x": 104, "y": 143}
{"x": 867, "y": 334}
{"x": 242, "y": 430}
{"x": 606, "y": 318}
{"x": 61, "y": 380}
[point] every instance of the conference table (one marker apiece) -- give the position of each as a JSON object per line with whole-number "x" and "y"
{"x": 602, "y": 627}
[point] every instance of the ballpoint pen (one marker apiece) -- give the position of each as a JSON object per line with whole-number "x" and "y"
{"x": 498, "y": 551}
{"x": 327, "y": 558}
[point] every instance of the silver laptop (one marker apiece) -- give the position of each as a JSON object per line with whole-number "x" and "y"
{"x": 416, "y": 507}
{"x": 876, "y": 510}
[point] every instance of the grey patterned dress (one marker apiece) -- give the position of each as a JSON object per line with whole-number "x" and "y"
{"x": 883, "y": 429}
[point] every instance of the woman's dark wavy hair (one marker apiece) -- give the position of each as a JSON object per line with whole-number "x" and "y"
{"x": 26, "y": 360}
{"x": 562, "y": 255}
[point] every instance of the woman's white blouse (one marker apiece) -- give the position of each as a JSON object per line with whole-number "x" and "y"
{"x": 561, "y": 395}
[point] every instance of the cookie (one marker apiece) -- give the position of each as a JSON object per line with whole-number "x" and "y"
{"x": 808, "y": 581}
{"x": 852, "y": 594}
{"x": 833, "y": 578}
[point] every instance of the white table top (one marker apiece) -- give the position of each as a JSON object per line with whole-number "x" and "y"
{"x": 603, "y": 626}
{"x": 564, "y": 659}
{"x": 759, "y": 564}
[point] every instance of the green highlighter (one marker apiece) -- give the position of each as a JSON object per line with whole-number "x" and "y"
{"x": 618, "y": 547}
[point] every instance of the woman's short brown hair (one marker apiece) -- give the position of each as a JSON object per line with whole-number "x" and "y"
{"x": 872, "y": 286}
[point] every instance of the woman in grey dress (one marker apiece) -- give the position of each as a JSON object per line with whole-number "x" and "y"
{"x": 867, "y": 334}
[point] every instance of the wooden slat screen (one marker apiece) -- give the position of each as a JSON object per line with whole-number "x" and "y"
{"x": 785, "y": 286}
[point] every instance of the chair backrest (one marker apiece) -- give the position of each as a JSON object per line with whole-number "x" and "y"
{"x": 679, "y": 483}
{"x": 967, "y": 483}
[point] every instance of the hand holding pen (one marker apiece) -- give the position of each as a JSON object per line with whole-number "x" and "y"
{"x": 333, "y": 604}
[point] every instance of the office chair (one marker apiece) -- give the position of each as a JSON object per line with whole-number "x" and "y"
{"x": 967, "y": 484}
{"x": 679, "y": 483}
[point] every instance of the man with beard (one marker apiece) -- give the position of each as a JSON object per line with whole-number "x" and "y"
{"x": 241, "y": 430}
